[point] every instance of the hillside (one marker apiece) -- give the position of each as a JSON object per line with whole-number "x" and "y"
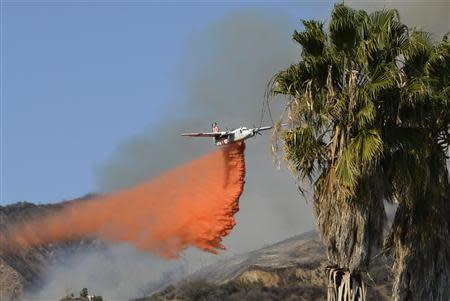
{"x": 24, "y": 270}
{"x": 293, "y": 269}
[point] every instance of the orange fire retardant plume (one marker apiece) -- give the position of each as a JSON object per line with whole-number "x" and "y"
{"x": 191, "y": 205}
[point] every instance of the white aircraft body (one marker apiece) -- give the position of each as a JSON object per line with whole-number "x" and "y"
{"x": 228, "y": 137}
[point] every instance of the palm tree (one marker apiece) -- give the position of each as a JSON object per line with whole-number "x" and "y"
{"x": 420, "y": 233}
{"x": 335, "y": 138}
{"x": 350, "y": 117}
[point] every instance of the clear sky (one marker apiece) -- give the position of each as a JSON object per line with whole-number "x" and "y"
{"x": 80, "y": 77}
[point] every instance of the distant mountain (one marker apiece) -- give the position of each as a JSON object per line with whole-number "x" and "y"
{"x": 293, "y": 269}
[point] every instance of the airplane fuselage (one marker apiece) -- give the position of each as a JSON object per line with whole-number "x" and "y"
{"x": 236, "y": 135}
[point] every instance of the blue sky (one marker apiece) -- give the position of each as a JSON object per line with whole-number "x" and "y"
{"x": 78, "y": 78}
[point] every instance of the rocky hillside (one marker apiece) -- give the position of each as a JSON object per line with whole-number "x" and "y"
{"x": 24, "y": 270}
{"x": 290, "y": 270}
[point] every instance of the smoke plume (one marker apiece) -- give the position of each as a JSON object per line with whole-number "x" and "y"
{"x": 191, "y": 205}
{"x": 221, "y": 76}
{"x": 432, "y": 15}
{"x": 116, "y": 272}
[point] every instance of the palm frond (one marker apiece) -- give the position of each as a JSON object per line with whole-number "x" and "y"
{"x": 343, "y": 28}
{"x": 312, "y": 39}
{"x": 304, "y": 150}
{"x": 347, "y": 170}
{"x": 368, "y": 146}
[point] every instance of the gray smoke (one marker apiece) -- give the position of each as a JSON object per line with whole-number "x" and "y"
{"x": 116, "y": 272}
{"x": 223, "y": 76}
{"x": 431, "y": 16}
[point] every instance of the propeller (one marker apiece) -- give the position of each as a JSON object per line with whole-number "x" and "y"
{"x": 256, "y": 130}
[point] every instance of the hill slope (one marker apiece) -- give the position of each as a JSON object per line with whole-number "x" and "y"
{"x": 293, "y": 269}
{"x": 24, "y": 270}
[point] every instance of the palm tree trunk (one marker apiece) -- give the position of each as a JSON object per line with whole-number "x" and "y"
{"x": 351, "y": 231}
{"x": 422, "y": 264}
{"x": 344, "y": 285}
{"x": 421, "y": 240}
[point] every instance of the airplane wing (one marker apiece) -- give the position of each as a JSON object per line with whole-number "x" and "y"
{"x": 211, "y": 134}
{"x": 264, "y": 128}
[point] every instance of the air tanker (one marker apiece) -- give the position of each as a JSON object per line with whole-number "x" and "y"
{"x": 229, "y": 137}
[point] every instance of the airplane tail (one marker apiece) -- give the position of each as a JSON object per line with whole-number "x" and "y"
{"x": 215, "y": 127}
